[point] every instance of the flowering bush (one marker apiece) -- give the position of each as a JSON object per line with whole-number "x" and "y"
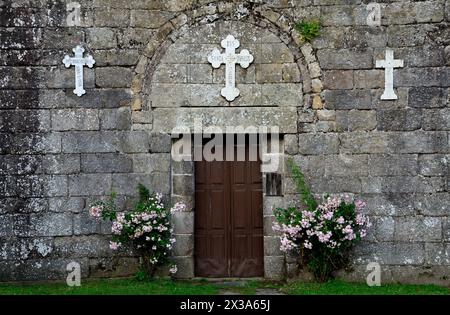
{"x": 324, "y": 232}
{"x": 147, "y": 227}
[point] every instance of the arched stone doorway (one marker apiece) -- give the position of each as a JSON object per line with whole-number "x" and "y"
{"x": 176, "y": 87}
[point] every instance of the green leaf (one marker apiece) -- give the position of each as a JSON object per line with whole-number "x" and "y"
{"x": 303, "y": 189}
{"x": 308, "y": 29}
{"x": 144, "y": 193}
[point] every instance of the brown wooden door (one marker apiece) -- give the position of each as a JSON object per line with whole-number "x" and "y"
{"x": 228, "y": 219}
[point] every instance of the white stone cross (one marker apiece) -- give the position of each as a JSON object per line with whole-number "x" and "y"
{"x": 389, "y": 64}
{"x": 229, "y": 58}
{"x": 79, "y": 62}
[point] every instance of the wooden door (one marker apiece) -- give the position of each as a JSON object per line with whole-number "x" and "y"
{"x": 228, "y": 219}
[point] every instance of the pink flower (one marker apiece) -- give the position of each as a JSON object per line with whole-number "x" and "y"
{"x": 347, "y": 198}
{"x": 340, "y": 220}
{"x": 286, "y": 244}
{"x": 363, "y": 233}
{"x": 121, "y": 217}
{"x": 96, "y": 211}
{"x": 178, "y": 207}
{"x": 328, "y": 215}
{"x": 305, "y": 224}
{"x": 323, "y": 238}
{"x": 114, "y": 245}
{"x": 360, "y": 205}
{"x": 116, "y": 228}
{"x": 350, "y": 234}
{"x": 147, "y": 228}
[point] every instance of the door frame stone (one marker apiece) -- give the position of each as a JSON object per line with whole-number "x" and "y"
{"x": 183, "y": 190}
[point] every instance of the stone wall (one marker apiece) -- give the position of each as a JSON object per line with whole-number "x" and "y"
{"x": 59, "y": 152}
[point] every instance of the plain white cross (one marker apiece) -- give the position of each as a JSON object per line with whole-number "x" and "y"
{"x": 79, "y": 62}
{"x": 389, "y": 64}
{"x": 229, "y": 58}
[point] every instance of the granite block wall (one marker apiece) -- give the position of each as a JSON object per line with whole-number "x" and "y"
{"x": 59, "y": 152}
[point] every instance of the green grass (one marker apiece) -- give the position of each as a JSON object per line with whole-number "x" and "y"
{"x": 199, "y": 287}
{"x": 308, "y": 29}
{"x": 114, "y": 287}
{"x": 337, "y": 287}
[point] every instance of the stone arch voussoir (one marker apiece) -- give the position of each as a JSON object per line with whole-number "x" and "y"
{"x": 248, "y": 12}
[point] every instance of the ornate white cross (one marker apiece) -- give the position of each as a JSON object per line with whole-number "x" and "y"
{"x": 229, "y": 58}
{"x": 389, "y": 64}
{"x": 79, "y": 62}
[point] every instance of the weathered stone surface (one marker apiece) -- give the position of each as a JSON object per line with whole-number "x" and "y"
{"x": 113, "y": 77}
{"x": 318, "y": 144}
{"x": 433, "y": 205}
{"x": 338, "y": 79}
{"x": 407, "y": 35}
{"x": 183, "y": 185}
{"x": 115, "y": 119}
{"x": 106, "y": 163}
{"x": 272, "y": 246}
{"x": 399, "y": 119}
{"x": 60, "y": 164}
{"x": 110, "y": 17}
{"x": 183, "y": 222}
{"x": 66, "y": 204}
{"x": 101, "y": 38}
{"x": 184, "y": 246}
{"x": 402, "y": 184}
{"x": 62, "y": 78}
{"x": 185, "y": 266}
{"x": 337, "y": 15}
{"x": 336, "y": 184}
{"x": 112, "y": 267}
{"x": 418, "y": 229}
{"x": 428, "y": 97}
{"x": 422, "y": 77}
{"x": 420, "y": 142}
{"x": 78, "y": 119}
{"x": 359, "y": 120}
{"x": 60, "y": 152}
{"x": 346, "y": 99}
{"x": 393, "y": 164}
{"x": 108, "y": 141}
{"x": 361, "y": 142}
{"x": 149, "y": 19}
{"x": 126, "y": 184}
{"x": 420, "y": 12}
{"x": 284, "y": 117}
{"x": 436, "y": 119}
{"x": 345, "y": 59}
{"x": 148, "y": 163}
{"x": 103, "y": 98}
{"x": 84, "y": 185}
{"x": 51, "y": 224}
{"x": 291, "y": 144}
{"x": 82, "y": 246}
{"x": 273, "y": 267}
{"x": 389, "y": 204}
{"x": 346, "y": 165}
{"x": 433, "y": 164}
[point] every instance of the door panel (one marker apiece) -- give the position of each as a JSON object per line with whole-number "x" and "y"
{"x": 228, "y": 219}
